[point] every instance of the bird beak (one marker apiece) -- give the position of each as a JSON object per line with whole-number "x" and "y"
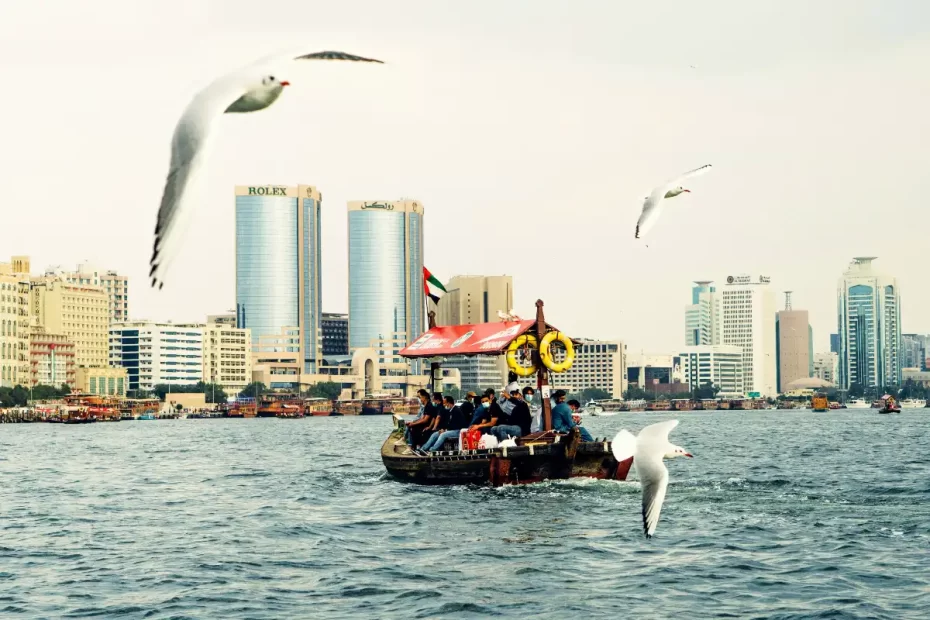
{"x": 689, "y": 455}
{"x": 687, "y": 190}
{"x": 286, "y": 83}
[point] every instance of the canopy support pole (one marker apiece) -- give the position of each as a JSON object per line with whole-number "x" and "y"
{"x": 542, "y": 375}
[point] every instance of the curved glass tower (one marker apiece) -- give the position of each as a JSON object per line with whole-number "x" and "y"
{"x": 386, "y": 298}
{"x": 278, "y": 265}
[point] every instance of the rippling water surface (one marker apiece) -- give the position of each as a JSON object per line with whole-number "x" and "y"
{"x": 780, "y": 515}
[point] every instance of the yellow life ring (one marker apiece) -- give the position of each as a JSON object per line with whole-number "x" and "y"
{"x": 526, "y": 340}
{"x": 545, "y": 352}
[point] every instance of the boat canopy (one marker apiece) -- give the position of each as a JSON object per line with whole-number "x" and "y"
{"x": 476, "y": 339}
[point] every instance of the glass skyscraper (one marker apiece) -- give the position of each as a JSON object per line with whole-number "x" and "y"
{"x": 386, "y": 297}
{"x": 278, "y": 265}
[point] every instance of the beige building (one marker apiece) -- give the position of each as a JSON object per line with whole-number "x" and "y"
{"x": 827, "y": 366}
{"x": 475, "y": 299}
{"x": 79, "y": 311}
{"x": 599, "y": 364}
{"x": 14, "y": 322}
{"x": 227, "y": 353}
{"x": 794, "y": 346}
{"x": 51, "y": 358}
{"x": 102, "y": 381}
{"x": 115, "y": 286}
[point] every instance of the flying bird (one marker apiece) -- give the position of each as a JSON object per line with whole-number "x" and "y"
{"x": 648, "y": 450}
{"x": 654, "y": 202}
{"x": 248, "y": 90}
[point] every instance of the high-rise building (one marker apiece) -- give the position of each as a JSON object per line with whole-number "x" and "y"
{"x": 914, "y": 351}
{"x": 869, "y": 321}
{"x": 702, "y": 316}
{"x": 157, "y": 353}
{"x": 115, "y": 286}
{"x": 835, "y": 343}
{"x": 278, "y": 262}
{"x": 599, "y": 364}
{"x": 51, "y": 359}
{"x": 475, "y": 299}
{"x": 227, "y": 353}
{"x": 719, "y": 365}
{"x": 14, "y": 322}
{"x": 748, "y": 313}
{"x": 335, "y": 333}
{"x": 79, "y": 311}
{"x": 826, "y": 366}
{"x": 793, "y": 349}
{"x": 386, "y": 296}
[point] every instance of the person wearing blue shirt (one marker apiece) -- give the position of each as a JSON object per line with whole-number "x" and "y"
{"x": 562, "y": 421}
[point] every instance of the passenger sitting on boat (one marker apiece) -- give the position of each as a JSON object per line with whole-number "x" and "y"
{"x": 519, "y": 420}
{"x": 562, "y": 421}
{"x": 416, "y": 429}
{"x": 468, "y": 407}
{"x": 480, "y": 408}
{"x": 451, "y": 421}
{"x": 488, "y": 414}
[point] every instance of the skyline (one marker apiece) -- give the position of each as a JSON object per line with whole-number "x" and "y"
{"x": 809, "y": 151}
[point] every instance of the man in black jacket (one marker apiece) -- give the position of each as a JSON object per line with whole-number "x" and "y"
{"x": 451, "y": 421}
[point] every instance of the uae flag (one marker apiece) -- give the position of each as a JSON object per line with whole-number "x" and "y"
{"x": 433, "y": 287}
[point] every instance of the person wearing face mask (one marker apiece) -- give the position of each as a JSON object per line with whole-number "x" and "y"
{"x": 519, "y": 420}
{"x": 480, "y": 408}
{"x": 451, "y": 421}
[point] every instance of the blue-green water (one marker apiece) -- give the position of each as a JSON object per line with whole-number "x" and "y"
{"x": 780, "y": 515}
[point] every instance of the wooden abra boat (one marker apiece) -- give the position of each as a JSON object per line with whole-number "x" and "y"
{"x": 546, "y": 455}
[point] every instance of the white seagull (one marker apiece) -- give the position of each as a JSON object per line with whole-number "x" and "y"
{"x": 250, "y": 89}
{"x": 504, "y": 316}
{"x": 513, "y": 316}
{"x": 653, "y": 202}
{"x": 647, "y": 451}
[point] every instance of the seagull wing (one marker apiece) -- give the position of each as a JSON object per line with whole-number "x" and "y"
{"x": 653, "y": 476}
{"x": 657, "y": 433}
{"x": 652, "y": 205}
{"x": 623, "y": 445}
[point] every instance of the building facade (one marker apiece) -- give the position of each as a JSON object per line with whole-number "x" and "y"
{"x": 79, "y": 311}
{"x": 748, "y": 322}
{"x": 115, "y": 286}
{"x": 702, "y": 316}
{"x": 477, "y": 372}
{"x": 278, "y": 265}
{"x": 718, "y": 365}
{"x": 827, "y": 367}
{"x": 111, "y": 381}
{"x": 386, "y": 295}
{"x": 51, "y": 359}
{"x": 157, "y": 353}
{"x": 475, "y": 299}
{"x": 599, "y": 364}
{"x": 14, "y": 322}
{"x": 794, "y": 355}
{"x": 335, "y": 329}
{"x": 227, "y": 353}
{"x": 648, "y": 371}
{"x": 914, "y": 351}
{"x": 869, "y": 322}
{"x": 835, "y": 343}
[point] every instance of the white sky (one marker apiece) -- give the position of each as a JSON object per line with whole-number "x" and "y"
{"x": 530, "y": 130}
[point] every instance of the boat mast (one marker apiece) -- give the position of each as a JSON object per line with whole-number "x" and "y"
{"x": 434, "y": 368}
{"x": 542, "y": 378}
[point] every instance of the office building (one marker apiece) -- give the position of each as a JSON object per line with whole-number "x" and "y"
{"x": 475, "y": 299}
{"x": 914, "y": 351}
{"x": 826, "y": 367}
{"x": 794, "y": 353}
{"x": 278, "y": 261}
{"x": 869, "y": 321}
{"x": 79, "y": 311}
{"x": 51, "y": 359}
{"x": 111, "y": 381}
{"x": 227, "y": 353}
{"x": 599, "y": 364}
{"x": 717, "y": 365}
{"x": 114, "y": 285}
{"x": 748, "y": 313}
{"x": 386, "y": 295}
{"x": 659, "y": 373}
{"x": 157, "y": 353}
{"x": 477, "y": 372}
{"x": 702, "y": 316}
{"x": 335, "y": 328}
{"x": 835, "y": 343}
{"x": 14, "y": 322}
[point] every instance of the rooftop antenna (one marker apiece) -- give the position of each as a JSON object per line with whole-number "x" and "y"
{"x": 788, "y": 300}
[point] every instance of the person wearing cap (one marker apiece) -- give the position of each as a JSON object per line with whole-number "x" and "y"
{"x": 562, "y": 421}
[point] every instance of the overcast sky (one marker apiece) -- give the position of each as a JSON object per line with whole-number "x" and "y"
{"x": 530, "y": 130}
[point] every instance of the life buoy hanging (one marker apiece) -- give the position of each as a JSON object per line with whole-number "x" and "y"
{"x": 545, "y": 352}
{"x": 524, "y": 341}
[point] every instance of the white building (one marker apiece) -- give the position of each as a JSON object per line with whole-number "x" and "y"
{"x": 599, "y": 364}
{"x": 748, "y": 313}
{"x": 827, "y": 366}
{"x": 702, "y": 316}
{"x": 719, "y": 365}
{"x": 869, "y": 320}
{"x": 115, "y": 286}
{"x": 644, "y": 370}
{"x": 478, "y": 372}
{"x": 227, "y": 353}
{"x": 157, "y": 353}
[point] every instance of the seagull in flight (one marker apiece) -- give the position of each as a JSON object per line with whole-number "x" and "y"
{"x": 648, "y": 450}
{"x": 654, "y": 201}
{"x": 248, "y": 90}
